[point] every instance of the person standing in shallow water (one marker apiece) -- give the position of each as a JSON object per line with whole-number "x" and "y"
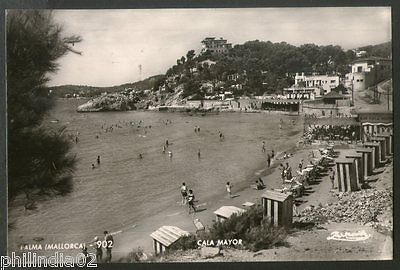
{"x": 198, "y": 154}
{"x": 190, "y": 199}
{"x": 99, "y": 250}
{"x": 184, "y": 193}
{"x": 98, "y": 160}
{"x": 110, "y": 243}
{"x": 228, "y": 188}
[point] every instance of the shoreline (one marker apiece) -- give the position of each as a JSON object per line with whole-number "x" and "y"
{"x": 138, "y": 235}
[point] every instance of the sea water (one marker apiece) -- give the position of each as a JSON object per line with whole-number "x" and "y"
{"x": 124, "y": 188}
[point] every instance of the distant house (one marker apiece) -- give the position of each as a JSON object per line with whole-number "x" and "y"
{"x": 233, "y": 77}
{"x": 359, "y": 53}
{"x": 215, "y": 45}
{"x": 332, "y": 97}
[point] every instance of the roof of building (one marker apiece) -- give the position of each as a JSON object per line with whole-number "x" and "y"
{"x": 344, "y": 160}
{"x": 227, "y": 211}
{"x": 372, "y": 58}
{"x": 364, "y": 149}
{"x": 276, "y": 196}
{"x": 377, "y": 138}
{"x": 167, "y": 235}
{"x": 333, "y": 95}
{"x": 372, "y": 144}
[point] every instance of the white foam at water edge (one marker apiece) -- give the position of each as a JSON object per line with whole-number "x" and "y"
{"x": 174, "y": 214}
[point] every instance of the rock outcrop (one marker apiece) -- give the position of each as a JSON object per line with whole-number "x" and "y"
{"x": 109, "y": 102}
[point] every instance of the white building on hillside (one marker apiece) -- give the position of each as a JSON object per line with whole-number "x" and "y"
{"x": 311, "y": 86}
{"x": 326, "y": 82}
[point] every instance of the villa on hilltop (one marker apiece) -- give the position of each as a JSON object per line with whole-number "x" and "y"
{"x": 215, "y": 45}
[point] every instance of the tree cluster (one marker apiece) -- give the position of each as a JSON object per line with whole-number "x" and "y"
{"x": 38, "y": 159}
{"x": 263, "y": 67}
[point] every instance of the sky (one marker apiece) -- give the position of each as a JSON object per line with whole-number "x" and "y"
{"x": 117, "y": 42}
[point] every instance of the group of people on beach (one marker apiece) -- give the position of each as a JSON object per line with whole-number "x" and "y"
{"x": 98, "y": 245}
{"x": 332, "y": 132}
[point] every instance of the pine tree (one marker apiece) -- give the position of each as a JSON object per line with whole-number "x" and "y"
{"x": 38, "y": 159}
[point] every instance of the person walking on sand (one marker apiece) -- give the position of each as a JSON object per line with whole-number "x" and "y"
{"x": 184, "y": 193}
{"x": 228, "y": 188}
{"x": 301, "y": 165}
{"x": 163, "y": 149}
{"x": 190, "y": 200}
{"x": 99, "y": 250}
{"x": 269, "y": 160}
{"x": 283, "y": 172}
{"x": 110, "y": 243}
{"x": 272, "y": 153}
{"x": 263, "y": 147}
{"x": 332, "y": 177}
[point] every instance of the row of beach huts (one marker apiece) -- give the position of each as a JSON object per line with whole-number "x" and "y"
{"x": 354, "y": 168}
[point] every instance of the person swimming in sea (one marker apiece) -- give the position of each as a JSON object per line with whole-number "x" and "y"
{"x": 140, "y": 156}
{"x": 93, "y": 167}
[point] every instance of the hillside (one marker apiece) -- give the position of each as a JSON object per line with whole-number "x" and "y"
{"x": 381, "y": 50}
{"x": 92, "y": 91}
{"x": 250, "y": 69}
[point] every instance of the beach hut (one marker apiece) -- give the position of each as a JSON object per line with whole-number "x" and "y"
{"x": 165, "y": 236}
{"x": 278, "y": 208}
{"x": 224, "y": 212}
{"x": 358, "y": 160}
{"x": 376, "y": 153}
{"x": 367, "y": 160}
{"x": 346, "y": 174}
{"x": 382, "y": 142}
{"x": 389, "y": 142}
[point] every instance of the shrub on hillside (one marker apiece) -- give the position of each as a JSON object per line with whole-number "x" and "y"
{"x": 185, "y": 242}
{"x": 255, "y": 232}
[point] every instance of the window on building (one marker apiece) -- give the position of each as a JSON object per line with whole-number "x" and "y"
{"x": 358, "y": 80}
{"x": 359, "y": 69}
{"x": 333, "y": 81}
{"x": 361, "y": 80}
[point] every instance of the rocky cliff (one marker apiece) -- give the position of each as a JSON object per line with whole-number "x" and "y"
{"x": 109, "y": 102}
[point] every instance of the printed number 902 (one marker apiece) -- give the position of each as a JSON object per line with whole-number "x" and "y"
{"x": 104, "y": 244}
